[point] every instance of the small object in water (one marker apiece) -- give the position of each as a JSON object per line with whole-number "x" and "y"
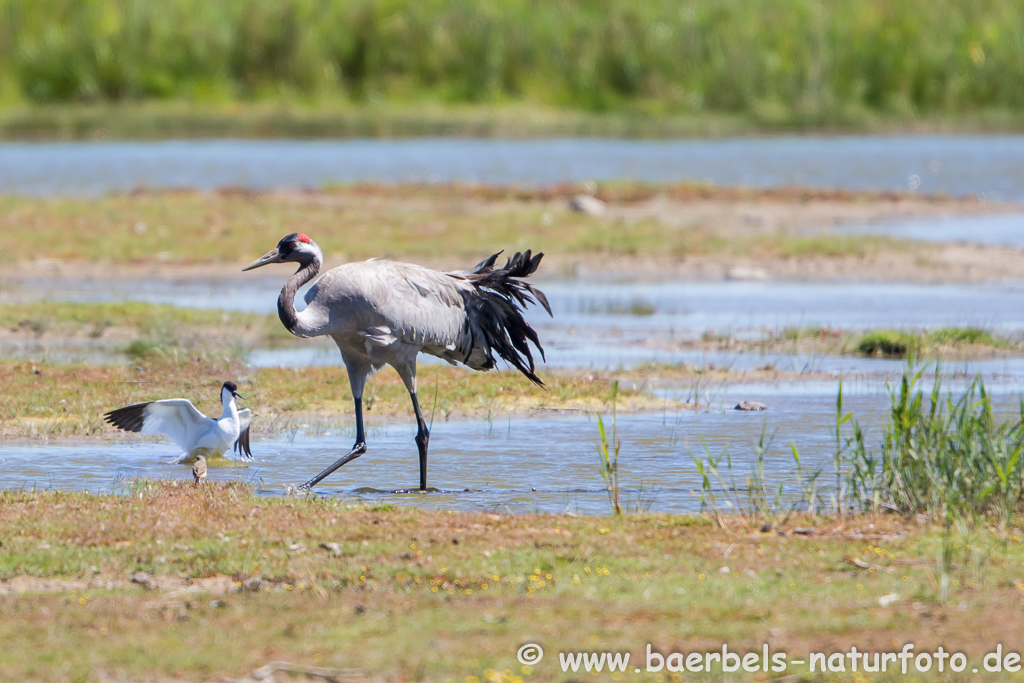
{"x": 199, "y": 470}
{"x": 584, "y": 203}
{"x": 751, "y": 406}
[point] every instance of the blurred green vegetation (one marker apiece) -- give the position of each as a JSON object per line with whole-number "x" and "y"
{"x": 776, "y": 62}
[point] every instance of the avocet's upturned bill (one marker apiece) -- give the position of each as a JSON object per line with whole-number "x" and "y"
{"x": 382, "y": 312}
{"x": 182, "y": 423}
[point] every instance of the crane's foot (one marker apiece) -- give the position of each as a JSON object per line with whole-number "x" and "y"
{"x": 356, "y": 451}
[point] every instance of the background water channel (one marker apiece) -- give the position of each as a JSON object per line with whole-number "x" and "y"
{"x": 958, "y": 165}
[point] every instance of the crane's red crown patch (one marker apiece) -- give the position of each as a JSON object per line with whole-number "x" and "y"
{"x": 303, "y": 238}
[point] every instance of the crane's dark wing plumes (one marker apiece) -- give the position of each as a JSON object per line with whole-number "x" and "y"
{"x": 495, "y": 309}
{"x": 129, "y": 418}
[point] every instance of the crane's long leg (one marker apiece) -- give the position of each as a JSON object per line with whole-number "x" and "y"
{"x": 422, "y": 439}
{"x": 357, "y": 380}
{"x": 358, "y": 449}
{"x": 406, "y": 368}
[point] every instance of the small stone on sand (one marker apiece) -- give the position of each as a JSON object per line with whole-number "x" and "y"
{"x": 584, "y": 203}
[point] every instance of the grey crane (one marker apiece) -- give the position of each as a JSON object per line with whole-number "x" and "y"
{"x": 382, "y": 312}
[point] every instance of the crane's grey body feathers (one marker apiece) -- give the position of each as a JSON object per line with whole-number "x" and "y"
{"x": 382, "y": 311}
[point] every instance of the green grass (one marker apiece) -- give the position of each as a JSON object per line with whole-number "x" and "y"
{"x": 408, "y": 594}
{"x": 950, "y": 342}
{"x": 781, "y": 63}
{"x": 178, "y": 335}
{"x": 943, "y": 455}
{"x": 831, "y": 245}
{"x": 339, "y": 119}
{"x": 814, "y": 333}
{"x": 455, "y": 223}
{"x": 35, "y": 402}
{"x": 947, "y": 458}
{"x": 150, "y": 320}
{"x": 639, "y": 307}
{"x": 887, "y": 343}
{"x": 903, "y": 343}
{"x": 950, "y": 456}
{"x": 965, "y": 335}
{"x": 140, "y": 330}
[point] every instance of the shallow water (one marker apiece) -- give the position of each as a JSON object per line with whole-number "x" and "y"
{"x": 1007, "y": 372}
{"x": 961, "y": 165}
{"x": 1005, "y": 230}
{"x": 680, "y": 309}
{"x": 504, "y": 465}
{"x": 592, "y": 327}
{"x": 497, "y": 465}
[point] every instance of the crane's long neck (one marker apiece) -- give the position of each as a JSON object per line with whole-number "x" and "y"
{"x": 286, "y": 302}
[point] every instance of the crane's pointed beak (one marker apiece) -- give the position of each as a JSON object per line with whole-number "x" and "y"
{"x": 238, "y": 395}
{"x": 271, "y": 256}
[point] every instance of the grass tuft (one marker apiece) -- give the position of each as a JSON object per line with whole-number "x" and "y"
{"x": 942, "y": 456}
{"x": 608, "y": 453}
{"x": 886, "y": 343}
{"x": 958, "y": 336}
{"x": 903, "y": 343}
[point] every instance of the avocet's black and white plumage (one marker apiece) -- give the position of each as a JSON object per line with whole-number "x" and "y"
{"x": 384, "y": 312}
{"x": 194, "y": 433}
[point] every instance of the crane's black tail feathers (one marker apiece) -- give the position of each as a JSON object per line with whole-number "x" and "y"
{"x": 495, "y": 310}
